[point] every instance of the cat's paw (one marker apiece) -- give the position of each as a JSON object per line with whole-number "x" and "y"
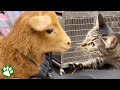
{"x": 73, "y": 66}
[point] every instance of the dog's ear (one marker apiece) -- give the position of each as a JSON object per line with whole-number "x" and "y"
{"x": 40, "y": 23}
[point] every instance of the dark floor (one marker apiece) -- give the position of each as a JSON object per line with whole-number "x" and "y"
{"x": 90, "y": 74}
{"x": 86, "y": 74}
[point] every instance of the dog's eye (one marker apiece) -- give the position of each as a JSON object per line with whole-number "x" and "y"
{"x": 49, "y": 31}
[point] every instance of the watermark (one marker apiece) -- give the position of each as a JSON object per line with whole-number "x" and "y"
{"x": 7, "y": 71}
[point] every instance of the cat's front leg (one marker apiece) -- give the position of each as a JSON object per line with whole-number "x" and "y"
{"x": 90, "y": 64}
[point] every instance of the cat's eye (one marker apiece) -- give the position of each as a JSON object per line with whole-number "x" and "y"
{"x": 91, "y": 44}
{"x": 104, "y": 35}
{"x": 49, "y": 31}
{"x": 104, "y": 38}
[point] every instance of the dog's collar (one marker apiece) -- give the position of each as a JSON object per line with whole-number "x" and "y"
{"x": 30, "y": 58}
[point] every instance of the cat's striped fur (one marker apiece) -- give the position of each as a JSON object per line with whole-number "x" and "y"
{"x": 102, "y": 43}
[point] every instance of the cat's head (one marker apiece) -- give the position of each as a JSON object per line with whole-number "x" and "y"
{"x": 100, "y": 39}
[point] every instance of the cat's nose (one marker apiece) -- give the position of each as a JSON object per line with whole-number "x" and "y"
{"x": 83, "y": 44}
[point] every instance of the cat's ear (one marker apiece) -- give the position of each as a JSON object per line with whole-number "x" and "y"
{"x": 100, "y": 22}
{"x": 111, "y": 41}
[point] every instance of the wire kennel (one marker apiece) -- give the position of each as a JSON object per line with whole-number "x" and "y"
{"x": 77, "y": 24}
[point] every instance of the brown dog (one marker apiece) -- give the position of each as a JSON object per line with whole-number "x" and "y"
{"x": 33, "y": 34}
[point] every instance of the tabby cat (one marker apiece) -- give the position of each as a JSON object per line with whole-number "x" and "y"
{"x": 102, "y": 43}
